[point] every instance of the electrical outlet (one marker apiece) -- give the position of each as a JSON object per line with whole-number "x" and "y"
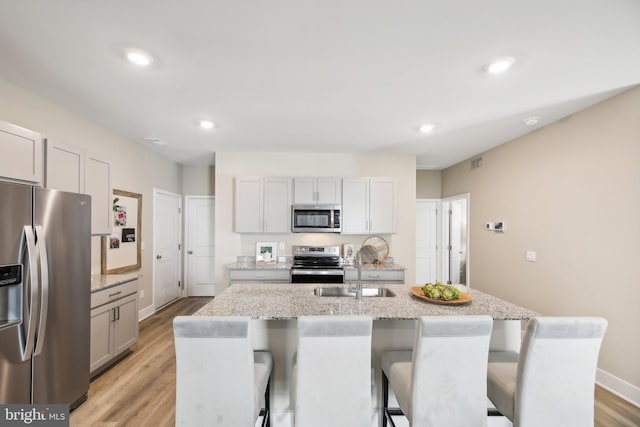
{"x": 531, "y": 256}
{"x": 141, "y": 295}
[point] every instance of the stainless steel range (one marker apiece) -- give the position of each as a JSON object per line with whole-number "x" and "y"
{"x": 316, "y": 264}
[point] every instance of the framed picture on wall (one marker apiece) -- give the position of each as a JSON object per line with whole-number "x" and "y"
{"x": 121, "y": 251}
{"x": 266, "y": 252}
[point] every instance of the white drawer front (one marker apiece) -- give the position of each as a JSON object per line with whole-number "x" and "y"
{"x": 113, "y": 293}
{"x": 369, "y": 275}
{"x": 281, "y": 275}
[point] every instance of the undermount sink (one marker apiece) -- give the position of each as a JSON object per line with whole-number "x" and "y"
{"x": 344, "y": 291}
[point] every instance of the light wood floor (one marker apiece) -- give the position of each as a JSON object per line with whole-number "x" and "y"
{"x": 140, "y": 390}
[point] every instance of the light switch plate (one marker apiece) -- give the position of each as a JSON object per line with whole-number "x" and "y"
{"x": 531, "y": 256}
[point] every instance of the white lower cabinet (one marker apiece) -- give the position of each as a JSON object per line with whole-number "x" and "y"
{"x": 114, "y": 324}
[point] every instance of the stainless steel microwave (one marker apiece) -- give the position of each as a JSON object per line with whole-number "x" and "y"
{"x": 315, "y": 219}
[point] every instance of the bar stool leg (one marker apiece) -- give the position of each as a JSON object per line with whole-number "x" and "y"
{"x": 386, "y": 415}
{"x": 266, "y": 412}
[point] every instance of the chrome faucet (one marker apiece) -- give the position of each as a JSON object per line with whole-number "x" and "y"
{"x": 359, "y": 281}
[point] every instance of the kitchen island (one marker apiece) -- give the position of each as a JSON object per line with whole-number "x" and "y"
{"x": 274, "y": 309}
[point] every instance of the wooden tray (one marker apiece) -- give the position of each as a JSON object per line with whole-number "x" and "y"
{"x": 465, "y": 298}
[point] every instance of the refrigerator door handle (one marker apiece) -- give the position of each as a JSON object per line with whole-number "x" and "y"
{"x": 44, "y": 295}
{"x": 32, "y": 313}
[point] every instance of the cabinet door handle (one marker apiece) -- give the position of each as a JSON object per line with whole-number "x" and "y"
{"x": 118, "y": 313}
{"x": 373, "y": 276}
{"x": 258, "y": 275}
{"x": 158, "y": 256}
{"x": 113, "y": 314}
{"x": 113, "y": 295}
{"x": 366, "y": 224}
{"x": 190, "y": 252}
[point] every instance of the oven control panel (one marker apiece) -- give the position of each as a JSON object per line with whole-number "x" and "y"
{"x": 326, "y": 251}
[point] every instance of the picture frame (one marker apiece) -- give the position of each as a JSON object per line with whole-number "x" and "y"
{"x": 348, "y": 251}
{"x": 121, "y": 250}
{"x": 266, "y": 252}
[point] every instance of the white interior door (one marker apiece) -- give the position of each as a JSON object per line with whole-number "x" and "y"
{"x": 167, "y": 209}
{"x": 199, "y": 245}
{"x": 427, "y": 237}
{"x": 456, "y": 217}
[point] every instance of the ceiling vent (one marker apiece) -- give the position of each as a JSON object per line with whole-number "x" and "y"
{"x": 476, "y": 163}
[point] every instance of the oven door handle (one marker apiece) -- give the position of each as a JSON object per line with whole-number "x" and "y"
{"x": 336, "y": 272}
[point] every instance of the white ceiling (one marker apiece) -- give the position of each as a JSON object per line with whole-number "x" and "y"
{"x": 352, "y": 76}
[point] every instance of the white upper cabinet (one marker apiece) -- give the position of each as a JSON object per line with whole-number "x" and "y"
{"x": 263, "y": 205}
{"x": 369, "y": 206}
{"x": 97, "y": 184}
{"x": 249, "y": 200}
{"x": 310, "y": 191}
{"x": 355, "y": 206}
{"x": 70, "y": 168}
{"x": 382, "y": 206}
{"x": 22, "y": 156}
{"x": 65, "y": 167}
{"x": 277, "y": 205}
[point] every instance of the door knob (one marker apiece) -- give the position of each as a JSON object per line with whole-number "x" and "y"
{"x": 190, "y": 252}
{"x": 158, "y": 256}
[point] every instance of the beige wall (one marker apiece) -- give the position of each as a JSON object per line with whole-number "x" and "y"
{"x": 570, "y": 192}
{"x": 134, "y": 168}
{"x": 198, "y": 180}
{"x": 428, "y": 184}
{"x": 229, "y": 165}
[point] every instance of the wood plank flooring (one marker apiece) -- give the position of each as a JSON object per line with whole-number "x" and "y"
{"x": 140, "y": 390}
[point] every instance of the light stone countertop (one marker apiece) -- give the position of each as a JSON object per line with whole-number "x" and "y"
{"x": 260, "y": 266}
{"x": 104, "y": 281}
{"x": 268, "y": 301}
{"x": 288, "y": 265}
{"x": 381, "y": 266}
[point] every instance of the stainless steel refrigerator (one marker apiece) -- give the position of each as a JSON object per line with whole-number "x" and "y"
{"x": 45, "y": 281}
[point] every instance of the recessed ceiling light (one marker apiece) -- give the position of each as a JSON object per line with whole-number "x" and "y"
{"x": 139, "y": 58}
{"x": 206, "y": 124}
{"x": 427, "y": 128}
{"x": 500, "y": 65}
{"x": 532, "y": 121}
{"x": 156, "y": 141}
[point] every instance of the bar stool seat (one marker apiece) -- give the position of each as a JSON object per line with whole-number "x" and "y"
{"x": 442, "y": 381}
{"x": 220, "y": 380}
{"x": 332, "y": 372}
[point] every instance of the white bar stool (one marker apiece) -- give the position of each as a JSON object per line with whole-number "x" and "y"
{"x": 220, "y": 380}
{"x": 442, "y": 382}
{"x": 552, "y": 384}
{"x": 332, "y": 372}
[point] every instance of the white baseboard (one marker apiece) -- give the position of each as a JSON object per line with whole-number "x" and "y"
{"x": 618, "y": 386}
{"x": 145, "y": 312}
